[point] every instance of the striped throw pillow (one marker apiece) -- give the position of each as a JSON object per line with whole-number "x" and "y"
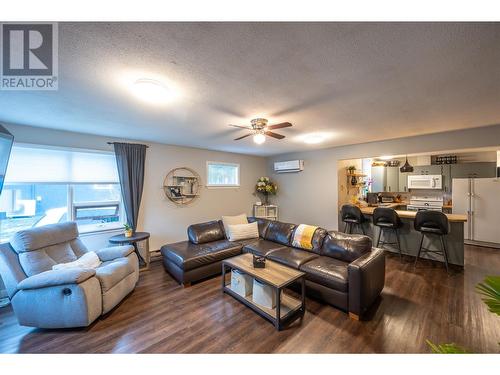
{"x": 242, "y": 231}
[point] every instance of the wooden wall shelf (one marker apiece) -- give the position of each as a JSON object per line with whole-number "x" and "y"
{"x": 182, "y": 185}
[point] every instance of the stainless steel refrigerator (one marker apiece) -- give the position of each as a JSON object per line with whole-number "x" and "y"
{"x": 479, "y": 199}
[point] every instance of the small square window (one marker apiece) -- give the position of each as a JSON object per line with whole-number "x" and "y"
{"x": 223, "y": 174}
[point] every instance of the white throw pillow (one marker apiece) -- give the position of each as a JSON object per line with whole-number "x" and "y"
{"x": 87, "y": 260}
{"x": 233, "y": 220}
{"x": 242, "y": 231}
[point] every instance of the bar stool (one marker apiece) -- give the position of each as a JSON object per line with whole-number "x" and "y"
{"x": 388, "y": 220}
{"x": 352, "y": 215}
{"x": 432, "y": 223}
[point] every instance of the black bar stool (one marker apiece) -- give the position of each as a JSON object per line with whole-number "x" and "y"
{"x": 352, "y": 215}
{"x": 432, "y": 223}
{"x": 388, "y": 220}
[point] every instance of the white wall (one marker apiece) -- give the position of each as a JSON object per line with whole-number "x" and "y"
{"x": 165, "y": 221}
{"x": 311, "y": 196}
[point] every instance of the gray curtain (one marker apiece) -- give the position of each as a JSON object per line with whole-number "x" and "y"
{"x": 130, "y": 160}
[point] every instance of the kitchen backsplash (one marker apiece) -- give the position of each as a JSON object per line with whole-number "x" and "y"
{"x": 405, "y": 197}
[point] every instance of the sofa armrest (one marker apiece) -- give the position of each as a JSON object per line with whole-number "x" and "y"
{"x": 366, "y": 280}
{"x": 114, "y": 252}
{"x": 56, "y": 277}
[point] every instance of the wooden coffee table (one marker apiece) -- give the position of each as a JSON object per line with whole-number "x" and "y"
{"x": 288, "y": 308}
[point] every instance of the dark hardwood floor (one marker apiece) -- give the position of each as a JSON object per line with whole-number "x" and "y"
{"x": 162, "y": 317}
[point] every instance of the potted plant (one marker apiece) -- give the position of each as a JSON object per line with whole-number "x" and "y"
{"x": 351, "y": 169}
{"x": 266, "y": 187}
{"x": 128, "y": 230}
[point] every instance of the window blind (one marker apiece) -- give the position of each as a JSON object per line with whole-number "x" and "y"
{"x": 46, "y": 165}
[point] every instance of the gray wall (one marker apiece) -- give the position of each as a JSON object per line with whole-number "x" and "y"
{"x": 165, "y": 221}
{"x": 311, "y": 196}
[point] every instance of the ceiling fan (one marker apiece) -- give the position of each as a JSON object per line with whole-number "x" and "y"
{"x": 259, "y": 129}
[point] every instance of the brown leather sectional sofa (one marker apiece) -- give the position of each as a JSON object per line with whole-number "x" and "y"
{"x": 341, "y": 269}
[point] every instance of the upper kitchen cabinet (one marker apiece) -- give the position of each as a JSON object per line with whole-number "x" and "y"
{"x": 427, "y": 169}
{"x": 392, "y": 181}
{"x": 446, "y": 172}
{"x": 403, "y": 182}
{"x": 477, "y": 169}
{"x": 379, "y": 179}
{"x": 385, "y": 179}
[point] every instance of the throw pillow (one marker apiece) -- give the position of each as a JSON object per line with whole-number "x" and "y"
{"x": 233, "y": 220}
{"x": 243, "y": 231}
{"x": 303, "y": 235}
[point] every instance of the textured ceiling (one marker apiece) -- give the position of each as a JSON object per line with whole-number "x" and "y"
{"x": 355, "y": 82}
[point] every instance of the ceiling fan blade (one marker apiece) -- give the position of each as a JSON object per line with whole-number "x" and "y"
{"x": 240, "y": 126}
{"x": 274, "y": 135}
{"x": 280, "y": 125}
{"x": 244, "y": 136}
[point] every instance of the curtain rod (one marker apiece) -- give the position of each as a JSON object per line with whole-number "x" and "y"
{"x": 112, "y": 143}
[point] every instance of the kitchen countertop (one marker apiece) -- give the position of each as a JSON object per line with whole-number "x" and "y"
{"x": 411, "y": 214}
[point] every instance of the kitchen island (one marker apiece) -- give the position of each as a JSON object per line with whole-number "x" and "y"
{"x": 410, "y": 238}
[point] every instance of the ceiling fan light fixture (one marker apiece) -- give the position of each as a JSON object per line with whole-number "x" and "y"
{"x": 260, "y": 129}
{"x": 259, "y": 138}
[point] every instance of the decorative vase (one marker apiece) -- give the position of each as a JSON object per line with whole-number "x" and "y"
{"x": 354, "y": 180}
{"x": 129, "y": 233}
{"x": 266, "y": 199}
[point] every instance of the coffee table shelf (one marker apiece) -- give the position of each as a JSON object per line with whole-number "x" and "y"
{"x": 288, "y": 308}
{"x": 288, "y": 304}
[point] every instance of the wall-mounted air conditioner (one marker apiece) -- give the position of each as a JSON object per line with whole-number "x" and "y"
{"x": 289, "y": 166}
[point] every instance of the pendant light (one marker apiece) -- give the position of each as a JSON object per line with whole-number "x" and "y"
{"x": 407, "y": 167}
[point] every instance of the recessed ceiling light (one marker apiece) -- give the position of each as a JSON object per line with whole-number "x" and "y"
{"x": 259, "y": 138}
{"x": 314, "y": 138}
{"x": 152, "y": 91}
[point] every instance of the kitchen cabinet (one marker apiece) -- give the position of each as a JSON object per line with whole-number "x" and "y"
{"x": 478, "y": 169}
{"x": 385, "y": 179}
{"x": 403, "y": 182}
{"x": 392, "y": 180}
{"x": 446, "y": 172}
{"x": 379, "y": 179}
{"x": 427, "y": 169}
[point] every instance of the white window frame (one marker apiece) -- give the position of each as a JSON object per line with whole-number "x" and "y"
{"x": 222, "y": 186}
{"x": 96, "y": 228}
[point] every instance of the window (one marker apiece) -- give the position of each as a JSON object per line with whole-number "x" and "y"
{"x": 223, "y": 174}
{"x": 47, "y": 186}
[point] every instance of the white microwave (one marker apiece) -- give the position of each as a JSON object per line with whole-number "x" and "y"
{"x": 428, "y": 181}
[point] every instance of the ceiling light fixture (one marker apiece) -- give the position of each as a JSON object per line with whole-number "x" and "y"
{"x": 313, "y": 139}
{"x": 259, "y": 138}
{"x": 407, "y": 168}
{"x": 152, "y": 91}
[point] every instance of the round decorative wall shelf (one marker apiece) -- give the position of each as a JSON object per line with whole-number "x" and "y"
{"x": 182, "y": 185}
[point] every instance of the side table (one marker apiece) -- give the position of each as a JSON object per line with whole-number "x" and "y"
{"x": 120, "y": 239}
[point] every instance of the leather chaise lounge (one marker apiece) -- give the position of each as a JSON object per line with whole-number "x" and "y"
{"x": 342, "y": 270}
